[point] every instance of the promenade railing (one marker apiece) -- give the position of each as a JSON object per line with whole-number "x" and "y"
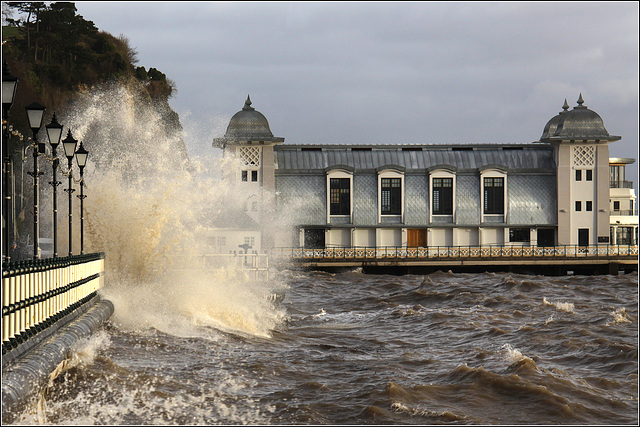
{"x": 455, "y": 252}
{"x": 36, "y": 294}
{"x": 255, "y": 265}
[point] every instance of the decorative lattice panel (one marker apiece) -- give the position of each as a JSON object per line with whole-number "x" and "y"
{"x": 250, "y": 155}
{"x": 584, "y": 155}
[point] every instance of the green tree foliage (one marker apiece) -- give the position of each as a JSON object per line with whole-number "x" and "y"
{"x": 68, "y": 51}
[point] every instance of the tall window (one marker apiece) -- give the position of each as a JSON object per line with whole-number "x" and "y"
{"x": 391, "y": 196}
{"x": 442, "y": 196}
{"x": 494, "y": 195}
{"x": 339, "y": 196}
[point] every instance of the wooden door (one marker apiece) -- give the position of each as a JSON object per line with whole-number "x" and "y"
{"x": 416, "y": 237}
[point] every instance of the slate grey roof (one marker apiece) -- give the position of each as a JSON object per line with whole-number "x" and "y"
{"x": 578, "y": 124}
{"x": 316, "y": 158}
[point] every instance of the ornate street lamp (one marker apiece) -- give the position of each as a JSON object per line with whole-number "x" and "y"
{"x": 35, "y": 113}
{"x": 9, "y": 85}
{"x": 81, "y": 158}
{"x": 69, "y": 144}
{"x": 54, "y": 132}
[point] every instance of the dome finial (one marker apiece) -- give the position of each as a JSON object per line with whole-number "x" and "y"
{"x": 247, "y": 104}
{"x": 565, "y": 107}
{"x": 580, "y": 100}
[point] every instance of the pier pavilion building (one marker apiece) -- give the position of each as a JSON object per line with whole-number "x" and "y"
{"x": 562, "y": 189}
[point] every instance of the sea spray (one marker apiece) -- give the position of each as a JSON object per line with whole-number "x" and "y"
{"x": 149, "y": 209}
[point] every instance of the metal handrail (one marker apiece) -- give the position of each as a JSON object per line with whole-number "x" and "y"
{"x": 621, "y": 184}
{"x": 624, "y": 212}
{"x": 38, "y": 293}
{"x": 458, "y": 252}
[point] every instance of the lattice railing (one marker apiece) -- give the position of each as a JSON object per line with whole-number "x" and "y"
{"x": 456, "y": 252}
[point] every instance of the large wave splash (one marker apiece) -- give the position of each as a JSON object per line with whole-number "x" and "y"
{"x": 150, "y": 208}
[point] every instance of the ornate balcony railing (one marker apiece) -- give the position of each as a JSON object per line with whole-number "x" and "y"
{"x": 38, "y": 293}
{"x": 455, "y": 252}
{"x": 624, "y": 212}
{"x": 621, "y": 184}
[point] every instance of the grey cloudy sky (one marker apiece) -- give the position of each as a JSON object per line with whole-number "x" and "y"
{"x": 401, "y": 72}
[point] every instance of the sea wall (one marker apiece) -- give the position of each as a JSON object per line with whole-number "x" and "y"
{"x": 23, "y": 379}
{"x": 48, "y": 305}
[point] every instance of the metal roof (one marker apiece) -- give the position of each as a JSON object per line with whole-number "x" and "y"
{"x": 580, "y": 123}
{"x": 462, "y": 157}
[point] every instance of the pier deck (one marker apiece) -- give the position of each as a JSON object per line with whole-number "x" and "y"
{"x": 557, "y": 260}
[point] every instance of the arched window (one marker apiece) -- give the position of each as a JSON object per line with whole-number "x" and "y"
{"x": 390, "y": 192}
{"x": 493, "y": 191}
{"x": 442, "y": 182}
{"x": 339, "y": 193}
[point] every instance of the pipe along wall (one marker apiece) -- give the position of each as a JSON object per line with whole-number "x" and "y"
{"x": 47, "y": 306}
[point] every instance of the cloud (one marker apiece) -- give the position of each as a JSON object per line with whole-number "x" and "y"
{"x": 364, "y": 72}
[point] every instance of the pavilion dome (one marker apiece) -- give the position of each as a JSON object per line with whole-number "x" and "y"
{"x": 552, "y": 125}
{"x": 580, "y": 123}
{"x": 248, "y": 123}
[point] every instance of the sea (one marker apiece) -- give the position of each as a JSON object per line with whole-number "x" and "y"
{"x": 342, "y": 348}
{"x": 191, "y": 346}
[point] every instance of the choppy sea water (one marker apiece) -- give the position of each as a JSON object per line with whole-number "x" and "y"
{"x": 352, "y": 348}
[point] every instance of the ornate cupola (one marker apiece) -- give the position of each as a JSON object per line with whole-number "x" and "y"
{"x": 552, "y": 125}
{"x": 250, "y": 143}
{"x": 247, "y": 126}
{"x": 579, "y": 124}
{"x": 581, "y": 150}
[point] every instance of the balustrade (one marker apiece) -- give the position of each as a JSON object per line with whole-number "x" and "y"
{"x": 456, "y": 252}
{"x": 38, "y": 293}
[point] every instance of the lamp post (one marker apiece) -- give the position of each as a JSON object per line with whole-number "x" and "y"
{"x": 69, "y": 144}
{"x": 35, "y": 113}
{"x": 9, "y": 85}
{"x": 81, "y": 158}
{"x": 54, "y": 132}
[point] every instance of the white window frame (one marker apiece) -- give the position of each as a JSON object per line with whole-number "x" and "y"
{"x": 390, "y": 173}
{"x": 339, "y": 173}
{"x": 493, "y": 173}
{"x": 442, "y": 173}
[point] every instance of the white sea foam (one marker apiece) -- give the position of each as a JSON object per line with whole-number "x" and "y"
{"x": 447, "y": 415}
{"x": 513, "y": 355}
{"x": 620, "y": 315}
{"x": 217, "y": 403}
{"x": 563, "y": 306}
{"x": 85, "y": 350}
{"x": 150, "y": 211}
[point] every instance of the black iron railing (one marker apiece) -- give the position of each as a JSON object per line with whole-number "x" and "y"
{"x": 38, "y": 293}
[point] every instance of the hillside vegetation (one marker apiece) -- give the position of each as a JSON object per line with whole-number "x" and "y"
{"x": 56, "y": 54}
{"x": 64, "y": 62}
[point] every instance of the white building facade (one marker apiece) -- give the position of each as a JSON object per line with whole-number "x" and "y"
{"x": 555, "y": 191}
